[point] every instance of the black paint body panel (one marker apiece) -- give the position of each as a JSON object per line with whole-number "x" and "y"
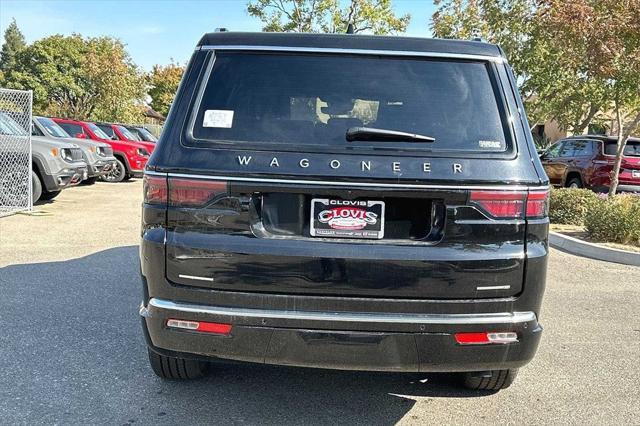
{"x": 279, "y": 266}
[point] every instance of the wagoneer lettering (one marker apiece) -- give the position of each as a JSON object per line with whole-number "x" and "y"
{"x": 324, "y": 201}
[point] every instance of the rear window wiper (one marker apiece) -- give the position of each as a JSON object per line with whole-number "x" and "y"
{"x": 381, "y": 135}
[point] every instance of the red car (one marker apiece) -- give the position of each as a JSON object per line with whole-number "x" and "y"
{"x": 586, "y": 161}
{"x": 119, "y": 132}
{"x": 131, "y": 156}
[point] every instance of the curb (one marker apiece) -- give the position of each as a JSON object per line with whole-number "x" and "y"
{"x": 594, "y": 251}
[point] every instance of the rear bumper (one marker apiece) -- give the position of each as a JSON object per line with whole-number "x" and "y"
{"x": 343, "y": 340}
{"x": 628, "y": 188}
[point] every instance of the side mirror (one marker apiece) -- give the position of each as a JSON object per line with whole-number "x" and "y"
{"x": 81, "y": 136}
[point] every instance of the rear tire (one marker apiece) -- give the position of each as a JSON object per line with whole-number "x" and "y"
{"x": 490, "y": 380}
{"x": 574, "y": 183}
{"x": 117, "y": 174}
{"x": 172, "y": 368}
{"x": 49, "y": 195}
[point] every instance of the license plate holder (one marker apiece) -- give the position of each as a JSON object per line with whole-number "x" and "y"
{"x": 335, "y": 218}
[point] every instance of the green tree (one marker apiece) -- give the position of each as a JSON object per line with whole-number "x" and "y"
{"x": 83, "y": 78}
{"x": 163, "y": 83}
{"x": 601, "y": 39}
{"x": 13, "y": 44}
{"x": 328, "y": 16}
{"x": 550, "y": 91}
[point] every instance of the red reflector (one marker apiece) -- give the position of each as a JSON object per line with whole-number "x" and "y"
{"x": 472, "y": 338}
{"x": 214, "y": 327}
{"x": 194, "y": 192}
{"x": 537, "y": 204}
{"x": 154, "y": 189}
{"x": 486, "y": 338}
{"x": 205, "y": 327}
{"x": 500, "y": 204}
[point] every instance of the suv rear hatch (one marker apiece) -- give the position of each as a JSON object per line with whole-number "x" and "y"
{"x": 630, "y": 166}
{"x": 278, "y": 200}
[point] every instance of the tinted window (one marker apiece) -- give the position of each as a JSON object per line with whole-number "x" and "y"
{"x": 35, "y": 131}
{"x": 314, "y": 99}
{"x": 145, "y": 134}
{"x": 632, "y": 149}
{"x": 99, "y": 133}
{"x": 108, "y": 131}
{"x": 127, "y": 134}
{"x": 72, "y": 129}
{"x": 554, "y": 151}
{"x": 52, "y": 127}
{"x": 567, "y": 149}
{"x": 576, "y": 149}
{"x": 8, "y": 126}
{"x": 582, "y": 148}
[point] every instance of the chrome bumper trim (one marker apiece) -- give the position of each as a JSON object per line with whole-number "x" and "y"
{"x": 358, "y": 317}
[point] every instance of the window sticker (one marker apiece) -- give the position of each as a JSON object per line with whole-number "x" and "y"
{"x": 221, "y": 118}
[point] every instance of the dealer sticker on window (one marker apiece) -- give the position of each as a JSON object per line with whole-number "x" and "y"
{"x": 221, "y": 118}
{"x": 347, "y": 218}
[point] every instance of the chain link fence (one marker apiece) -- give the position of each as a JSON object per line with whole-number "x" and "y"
{"x": 15, "y": 151}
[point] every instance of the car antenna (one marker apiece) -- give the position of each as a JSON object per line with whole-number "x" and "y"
{"x": 221, "y": 30}
{"x": 350, "y": 28}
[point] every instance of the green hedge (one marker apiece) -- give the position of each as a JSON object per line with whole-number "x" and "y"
{"x": 615, "y": 219}
{"x": 569, "y": 206}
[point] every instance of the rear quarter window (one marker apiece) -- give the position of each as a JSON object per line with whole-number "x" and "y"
{"x": 309, "y": 101}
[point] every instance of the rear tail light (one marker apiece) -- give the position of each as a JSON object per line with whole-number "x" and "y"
{"x": 487, "y": 338}
{"x": 154, "y": 189}
{"x": 511, "y": 204}
{"x": 202, "y": 326}
{"x": 181, "y": 192}
{"x": 538, "y": 204}
{"x": 194, "y": 192}
{"x": 500, "y": 204}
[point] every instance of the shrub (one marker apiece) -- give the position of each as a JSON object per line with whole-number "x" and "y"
{"x": 569, "y": 206}
{"x": 615, "y": 219}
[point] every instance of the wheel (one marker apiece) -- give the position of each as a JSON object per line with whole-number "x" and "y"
{"x": 490, "y": 380}
{"x": 49, "y": 195}
{"x": 89, "y": 181}
{"x": 116, "y": 174}
{"x": 127, "y": 177}
{"x": 172, "y": 368}
{"x": 36, "y": 186}
{"x": 574, "y": 183}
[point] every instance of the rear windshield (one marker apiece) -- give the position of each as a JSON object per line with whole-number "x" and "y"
{"x": 312, "y": 100}
{"x": 632, "y": 149}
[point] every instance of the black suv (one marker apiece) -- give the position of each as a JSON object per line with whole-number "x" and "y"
{"x": 346, "y": 202}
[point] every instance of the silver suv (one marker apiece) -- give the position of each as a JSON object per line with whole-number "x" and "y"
{"x": 56, "y": 165}
{"x": 98, "y": 155}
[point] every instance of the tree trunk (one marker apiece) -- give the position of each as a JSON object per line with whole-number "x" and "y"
{"x": 623, "y": 136}
{"x": 584, "y": 124}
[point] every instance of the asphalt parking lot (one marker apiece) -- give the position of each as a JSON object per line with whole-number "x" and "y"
{"x": 73, "y": 353}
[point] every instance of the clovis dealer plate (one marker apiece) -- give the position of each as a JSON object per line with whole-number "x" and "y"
{"x": 347, "y": 218}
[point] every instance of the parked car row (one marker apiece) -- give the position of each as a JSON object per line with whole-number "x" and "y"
{"x": 586, "y": 161}
{"x": 67, "y": 152}
{"x": 131, "y": 155}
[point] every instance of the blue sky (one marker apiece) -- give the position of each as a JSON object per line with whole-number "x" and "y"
{"x": 155, "y": 30}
